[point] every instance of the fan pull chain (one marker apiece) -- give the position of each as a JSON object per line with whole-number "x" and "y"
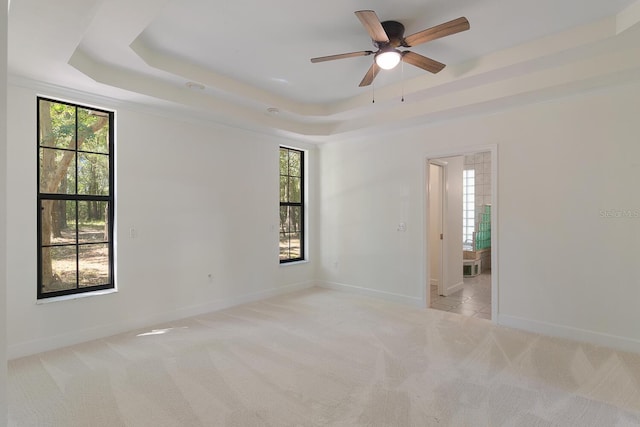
{"x": 373, "y": 85}
{"x": 402, "y": 77}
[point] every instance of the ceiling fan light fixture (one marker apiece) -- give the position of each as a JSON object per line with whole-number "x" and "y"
{"x": 388, "y": 58}
{"x": 387, "y": 36}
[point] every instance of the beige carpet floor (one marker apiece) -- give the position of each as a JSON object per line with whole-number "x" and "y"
{"x": 326, "y": 358}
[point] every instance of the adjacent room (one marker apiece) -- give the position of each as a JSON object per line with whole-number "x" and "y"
{"x": 304, "y": 214}
{"x": 459, "y": 194}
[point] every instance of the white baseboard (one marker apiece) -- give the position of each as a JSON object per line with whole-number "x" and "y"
{"x": 568, "y": 332}
{"x": 63, "y": 340}
{"x": 453, "y": 289}
{"x": 389, "y": 296}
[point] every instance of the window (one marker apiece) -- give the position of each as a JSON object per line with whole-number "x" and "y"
{"x": 291, "y": 205}
{"x": 468, "y": 206}
{"x": 75, "y": 199}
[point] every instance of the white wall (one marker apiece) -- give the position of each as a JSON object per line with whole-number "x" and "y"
{"x": 203, "y": 199}
{"x": 565, "y": 268}
{"x": 366, "y": 190}
{"x": 3, "y": 209}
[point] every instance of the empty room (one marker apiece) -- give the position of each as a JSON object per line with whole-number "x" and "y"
{"x": 320, "y": 214}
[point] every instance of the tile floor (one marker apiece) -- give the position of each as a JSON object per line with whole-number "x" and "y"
{"x": 473, "y": 300}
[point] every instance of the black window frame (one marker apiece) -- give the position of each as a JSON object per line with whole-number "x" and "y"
{"x": 78, "y": 198}
{"x": 300, "y": 204}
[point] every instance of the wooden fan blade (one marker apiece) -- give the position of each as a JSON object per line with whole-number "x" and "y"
{"x": 423, "y": 62}
{"x": 371, "y": 74}
{"x": 341, "y": 56}
{"x": 433, "y": 33}
{"x": 372, "y": 24}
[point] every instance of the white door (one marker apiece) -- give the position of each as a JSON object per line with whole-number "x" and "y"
{"x": 436, "y": 205}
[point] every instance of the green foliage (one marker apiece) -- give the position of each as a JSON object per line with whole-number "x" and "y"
{"x": 66, "y": 127}
{"x": 94, "y": 141}
{"x": 290, "y": 176}
{"x": 93, "y": 174}
{"x": 62, "y": 126}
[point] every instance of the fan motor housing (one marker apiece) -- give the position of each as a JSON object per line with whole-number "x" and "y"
{"x": 395, "y": 32}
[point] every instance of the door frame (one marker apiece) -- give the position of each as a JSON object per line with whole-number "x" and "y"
{"x": 434, "y": 156}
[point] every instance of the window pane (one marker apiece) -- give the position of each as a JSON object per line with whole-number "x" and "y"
{"x": 57, "y": 125}
{"x": 295, "y": 219}
{"x": 93, "y": 174}
{"x": 58, "y": 222}
{"x": 290, "y": 245}
{"x": 57, "y": 171}
{"x": 284, "y": 246}
{"x": 94, "y": 265}
{"x": 58, "y": 268}
{"x": 284, "y": 189}
{"x": 294, "y": 163}
{"x": 88, "y": 138}
{"x": 284, "y": 161}
{"x": 93, "y": 223}
{"x": 284, "y": 216}
{"x": 294, "y": 245}
{"x": 290, "y": 232}
{"x": 468, "y": 200}
{"x": 295, "y": 193}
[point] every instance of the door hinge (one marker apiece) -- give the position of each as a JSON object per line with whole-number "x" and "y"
{"x": 440, "y": 236}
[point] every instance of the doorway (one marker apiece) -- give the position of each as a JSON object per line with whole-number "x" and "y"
{"x": 461, "y": 240}
{"x": 436, "y": 224}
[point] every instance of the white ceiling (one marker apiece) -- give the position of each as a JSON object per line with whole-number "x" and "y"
{"x": 252, "y": 55}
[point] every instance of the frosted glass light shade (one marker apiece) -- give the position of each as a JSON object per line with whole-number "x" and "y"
{"x": 388, "y": 59}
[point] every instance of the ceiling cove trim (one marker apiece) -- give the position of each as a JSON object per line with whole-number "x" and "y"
{"x": 629, "y": 17}
{"x": 218, "y": 108}
{"x": 166, "y": 111}
{"x": 193, "y": 72}
{"x": 608, "y": 69}
{"x": 552, "y": 80}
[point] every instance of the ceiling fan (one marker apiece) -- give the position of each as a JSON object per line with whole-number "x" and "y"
{"x": 388, "y": 36}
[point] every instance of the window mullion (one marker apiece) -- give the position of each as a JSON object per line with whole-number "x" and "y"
{"x": 77, "y": 210}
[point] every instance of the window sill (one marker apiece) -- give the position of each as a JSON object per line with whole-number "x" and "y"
{"x": 76, "y": 296}
{"x": 284, "y": 264}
